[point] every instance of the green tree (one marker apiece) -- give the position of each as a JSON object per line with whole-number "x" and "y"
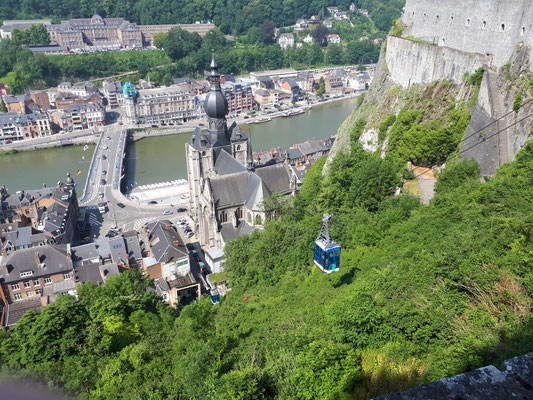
{"x": 159, "y": 40}
{"x": 319, "y": 34}
{"x": 180, "y": 43}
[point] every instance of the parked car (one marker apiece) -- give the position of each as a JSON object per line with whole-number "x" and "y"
{"x": 189, "y": 234}
{"x": 121, "y": 205}
{"x": 104, "y": 172}
{"x": 181, "y": 209}
{"x": 102, "y": 182}
{"x": 182, "y": 220}
{"x": 152, "y": 202}
{"x": 104, "y": 157}
{"x": 167, "y": 212}
{"x": 101, "y": 194}
{"x": 105, "y": 147}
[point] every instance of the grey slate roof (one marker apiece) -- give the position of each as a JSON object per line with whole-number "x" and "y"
{"x": 229, "y": 232}
{"x": 118, "y": 250}
{"x": 276, "y": 178}
{"x": 16, "y": 310}
{"x": 165, "y": 242}
{"x": 294, "y": 154}
{"x": 54, "y": 258}
{"x": 306, "y": 148}
{"x": 23, "y": 236}
{"x": 108, "y": 270}
{"x": 226, "y": 164}
{"x": 231, "y": 189}
{"x": 133, "y": 246}
{"x": 89, "y": 272}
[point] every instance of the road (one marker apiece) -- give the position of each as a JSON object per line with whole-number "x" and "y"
{"x": 103, "y": 185}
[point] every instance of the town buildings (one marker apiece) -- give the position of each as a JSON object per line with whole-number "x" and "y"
{"x": 96, "y": 31}
{"x": 149, "y": 31}
{"x": 75, "y": 117}
{"x": 6, "y": 30}
{"x": 14, "y": 126}
{"x": 333, "y": 38}
{"x": 286, "y": 40}
{"x": 113, "y": 91}
{"x": 226, "y": 194}
{"x": 239, "y": 97}
{"x": 159, "y": 105}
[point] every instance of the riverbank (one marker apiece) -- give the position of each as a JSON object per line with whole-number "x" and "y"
{"x": 50, "y": 142}
{"x": 141, "y": 133}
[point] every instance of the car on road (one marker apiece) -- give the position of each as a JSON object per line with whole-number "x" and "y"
{"x": 105, "y": 147}
{"x": 121, "y": 205}
{"x": 181, "y": 209}
{"x": 155, "y": 126}
{"x": 182, "y": 220}
{"x": 104, "y": 157}
{"x": 152, "y": 202}
{"x": 167, "y": 212}
{"x": 104, "y": 172}
{"x": 189, "y": 234}
{"x": 101, "y": 195}
{"x": 102, "y": 182}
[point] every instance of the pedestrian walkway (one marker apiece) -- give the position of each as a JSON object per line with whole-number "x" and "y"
{"x": 426, "y": 182}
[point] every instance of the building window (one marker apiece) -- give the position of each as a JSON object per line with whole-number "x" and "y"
{"x": 36, "y": 282}
{"x": 29, "y": 293}
{"x": 523, "y": 31}
{"x": 15, "y": 286}
{"x": 468, "y": 22}
{"x": 66, "y": 275}
{"x": 18, "y": 296}
{"x": 484, "y": 25}
{"x": 38, "y": 292}
{"x": 223, "y": 217}
{"x": 26, "y": 273}
{"x": 47, "y": 280}
{"x": 502, "y": 27}
{"x": 27, "y": 284}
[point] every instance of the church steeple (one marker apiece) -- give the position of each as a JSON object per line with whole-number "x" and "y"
{"x": 216, "y": 107}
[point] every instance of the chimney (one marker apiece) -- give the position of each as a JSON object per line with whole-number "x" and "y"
{"x": 37, "y": 258}
{"x": 69, "y": 252}
{"x": 176, "y": 243}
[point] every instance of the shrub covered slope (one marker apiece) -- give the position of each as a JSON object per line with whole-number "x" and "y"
{"x": 423, "y": 292}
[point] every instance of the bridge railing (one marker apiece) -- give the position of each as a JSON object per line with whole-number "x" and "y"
{"x": 91, "y": 168}
{"x": 119, "y": 158}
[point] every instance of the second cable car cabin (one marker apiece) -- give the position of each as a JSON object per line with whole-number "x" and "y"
{"x": 327, "y": 254}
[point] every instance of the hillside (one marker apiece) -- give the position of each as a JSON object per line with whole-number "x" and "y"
{"x": 423, "y": 292}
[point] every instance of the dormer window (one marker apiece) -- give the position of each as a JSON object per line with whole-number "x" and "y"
{"x": 24, "y": 274}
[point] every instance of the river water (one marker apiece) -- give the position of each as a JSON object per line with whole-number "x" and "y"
{"x": 162, "y": 158}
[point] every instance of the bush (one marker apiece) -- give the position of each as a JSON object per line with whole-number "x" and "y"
{"x": 457, "y": 174}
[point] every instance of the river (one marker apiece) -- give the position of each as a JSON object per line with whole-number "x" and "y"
{"x": 161, "y": 158}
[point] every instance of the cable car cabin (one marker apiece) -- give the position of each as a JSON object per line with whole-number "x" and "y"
{"x": 327, "y": 258}
{"x": 215, "y": 297}
{"x": 327, "y": 255}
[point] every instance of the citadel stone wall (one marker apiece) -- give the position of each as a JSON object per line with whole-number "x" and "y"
{"x": 494, "y": 27}
{"x": 410, "y": 62}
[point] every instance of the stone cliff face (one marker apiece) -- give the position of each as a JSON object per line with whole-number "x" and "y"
{"x": 449, "y": 40}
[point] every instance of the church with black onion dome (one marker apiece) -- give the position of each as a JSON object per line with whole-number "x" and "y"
{"x": 226, "y": 188}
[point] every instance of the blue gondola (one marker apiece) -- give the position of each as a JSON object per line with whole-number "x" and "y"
{"x": 327, "y": 255}
{"x": 215, "y": 296}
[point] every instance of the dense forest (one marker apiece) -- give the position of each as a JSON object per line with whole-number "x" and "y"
{"x": 252, "y": 24}
{"x": 233, "y": 16}
{"x": 423, "y": 292}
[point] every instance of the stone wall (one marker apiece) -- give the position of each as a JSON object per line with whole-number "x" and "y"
{"x": 411, "y": 62}
{"x": 492, "y": 27}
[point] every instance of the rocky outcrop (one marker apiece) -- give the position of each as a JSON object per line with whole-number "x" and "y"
{"x": 513, "y": 381}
